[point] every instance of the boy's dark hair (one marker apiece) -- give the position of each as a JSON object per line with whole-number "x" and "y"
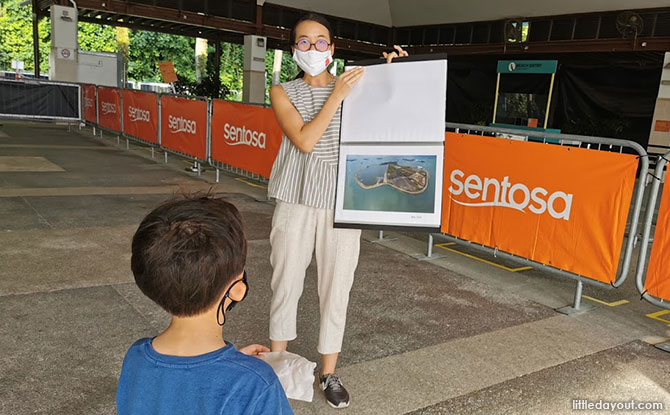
{"x": 186, "y": 251}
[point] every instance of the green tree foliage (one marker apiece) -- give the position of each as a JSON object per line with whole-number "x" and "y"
{"x": 143, "y": 51}
{"x": 123, "y": 43}
{"x": 232, "y": 65}
{"x": 16, "y": 34}
{"x": 96, "y": 38}
{"x": 148, "y": 49}
{"x": 232, "y": 60}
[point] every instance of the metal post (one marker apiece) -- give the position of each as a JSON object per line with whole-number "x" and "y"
{"x": 382, "y": 238}
{"x": 578, "y": 296}
{"x": 429, "y": 252}
{"x": 121, "y": 118}
{"x": 197, "y": 163}
{"x": 127, "y": 144}
{"x": 97, "y": 106}
{"x": 160, "y": 118}
{"x": 165, "y": 153}
{"x": 429, "y": 256}
{"x": 646, "y": 234}
{"x": 94, "y": 133}
{"x": 152, "y": 152}
{"x": 495, "y": 104}
{"x": 208, "y": 138}
{"x": 217, "y": 69}
{"x": 551, "y": 90}
{"x": 36, "y": 39}
{"x": 217, "y": 175}
{"x": 118, "y": 140}
{"x": 577, "y": 307}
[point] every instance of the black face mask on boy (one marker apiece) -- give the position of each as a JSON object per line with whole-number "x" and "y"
{"x": 236, "y": 292}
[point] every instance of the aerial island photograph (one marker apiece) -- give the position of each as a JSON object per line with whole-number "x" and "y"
{"x": 390, "y": 183}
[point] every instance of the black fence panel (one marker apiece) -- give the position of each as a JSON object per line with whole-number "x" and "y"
{"x": 38, "y": 99}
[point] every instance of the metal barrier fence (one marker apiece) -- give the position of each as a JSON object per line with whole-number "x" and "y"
{"x": 647, "y": 240}
{"x": 161, "y": 133}
{"x": 166, "y": 134}
{"x": 595, "y": 143}
{"x": 602, "y": 143}
{"x": 143, "y": 141}
{"x": 236, "y": 170}
{"x": 45, "y": 100}
{"x": 40, "y": 100}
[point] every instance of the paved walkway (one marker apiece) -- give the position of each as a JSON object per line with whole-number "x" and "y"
{"x": 454, "y": 335}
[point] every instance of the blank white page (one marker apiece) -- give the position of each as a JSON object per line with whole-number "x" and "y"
{"x": 398, "y": 102}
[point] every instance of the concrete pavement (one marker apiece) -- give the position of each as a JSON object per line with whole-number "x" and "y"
{"x": 451, "y": 335}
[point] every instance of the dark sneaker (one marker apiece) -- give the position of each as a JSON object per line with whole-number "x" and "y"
{"x": 336, "y": 395}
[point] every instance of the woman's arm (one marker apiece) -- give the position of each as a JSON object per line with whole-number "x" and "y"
{"x": 305, "y": 135}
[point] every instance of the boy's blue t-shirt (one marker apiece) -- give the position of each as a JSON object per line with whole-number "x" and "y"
{"x": 224, "y": 381}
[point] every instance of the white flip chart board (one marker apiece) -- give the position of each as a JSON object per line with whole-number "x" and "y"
{"x": 398, "y": 102}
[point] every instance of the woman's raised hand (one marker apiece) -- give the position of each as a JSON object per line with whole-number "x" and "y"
{"x": 398, "y": 52}
{"x": 347, "y": 81}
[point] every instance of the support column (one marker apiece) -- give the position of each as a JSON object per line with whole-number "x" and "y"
{"x": 217, "y": 69}
{"x": 36, "y": 39}
{"x": 276, "y": 67}
{"x": 333, "y": 68}
{"x": 63, "y": 57}
{"x": 200, "y": 59}
{"x": 253, "y": 87}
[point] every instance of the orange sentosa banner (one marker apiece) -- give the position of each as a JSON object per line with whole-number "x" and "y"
{"x": 109, "y": 108}
{"x": 245, "y": 136}
{"x": 140, "y": 115}
{"x": 184, "y": 126}
{"x": 657, "y": 282}
{"x": 561, "y": 206}
{"x": 89, "y": 103}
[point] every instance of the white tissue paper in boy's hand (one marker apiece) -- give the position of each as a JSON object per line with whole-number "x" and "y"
{"x": 295, "y": 373}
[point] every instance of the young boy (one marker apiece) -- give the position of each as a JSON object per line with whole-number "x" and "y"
{"x": 188, "y": 256}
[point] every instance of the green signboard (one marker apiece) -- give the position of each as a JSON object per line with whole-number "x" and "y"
{"x": 548, "y": 67}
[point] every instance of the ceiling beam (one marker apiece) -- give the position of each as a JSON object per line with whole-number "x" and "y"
{"x": 200, "y": 22}
{"x": 570, "y": 46}
{"x": 170, "y": 20}
{"x": 167, "y": 14}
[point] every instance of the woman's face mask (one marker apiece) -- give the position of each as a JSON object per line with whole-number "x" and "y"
{"x": 312, "y": 62}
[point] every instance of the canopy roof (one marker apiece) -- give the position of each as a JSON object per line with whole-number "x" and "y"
{"x": 366, "y": 27}
{"x": 399, "y": 13}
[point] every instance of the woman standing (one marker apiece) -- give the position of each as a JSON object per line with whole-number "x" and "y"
{"x": 303, "y": 183}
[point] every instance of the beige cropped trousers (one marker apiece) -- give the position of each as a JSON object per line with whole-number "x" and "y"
{"x": 298, "y": 231}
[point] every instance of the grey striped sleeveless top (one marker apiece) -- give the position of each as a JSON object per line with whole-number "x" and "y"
{"x": 307, "y": 178}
